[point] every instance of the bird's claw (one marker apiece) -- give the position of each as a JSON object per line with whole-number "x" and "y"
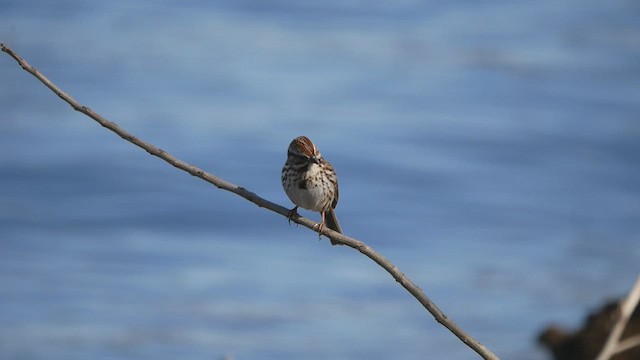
{"x": 292, "y": 213}
{"x": 318, "y": 227}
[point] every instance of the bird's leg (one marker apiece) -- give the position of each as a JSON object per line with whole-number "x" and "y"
{"x": 293, "y": 212}
{"x": 320, "y": 226}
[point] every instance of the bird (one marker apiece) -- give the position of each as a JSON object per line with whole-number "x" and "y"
{"x": 311, "y": 183}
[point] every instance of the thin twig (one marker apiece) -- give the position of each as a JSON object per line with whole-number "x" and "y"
{"x": 627, "y": 306}
{"x": 412, "y": 288}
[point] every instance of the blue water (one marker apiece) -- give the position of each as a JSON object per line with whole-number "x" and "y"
{"x": 490, "y": 150}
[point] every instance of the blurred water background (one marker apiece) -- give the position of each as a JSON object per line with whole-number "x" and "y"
{"x": 489, "y": 149}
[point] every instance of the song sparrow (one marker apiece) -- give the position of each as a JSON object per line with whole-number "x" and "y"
{"x": 310, "y": 182}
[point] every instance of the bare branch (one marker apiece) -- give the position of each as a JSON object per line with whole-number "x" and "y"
{"x": 412, "y": 288}
{"x": 627, "y": 306}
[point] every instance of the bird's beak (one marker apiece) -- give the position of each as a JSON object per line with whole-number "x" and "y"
{"x": 315, "y": 159}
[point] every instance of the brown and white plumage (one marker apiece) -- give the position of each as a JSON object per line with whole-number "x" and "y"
{"x": 311, "y": 182}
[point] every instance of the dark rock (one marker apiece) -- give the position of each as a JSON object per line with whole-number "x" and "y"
{"x": 586, "y": 343}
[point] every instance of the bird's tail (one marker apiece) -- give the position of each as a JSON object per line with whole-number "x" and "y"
{"x": 332, "y": 223}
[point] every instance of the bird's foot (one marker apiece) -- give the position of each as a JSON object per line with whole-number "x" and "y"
{"x": 318, "y": 227}
{"x": 292, "y": 213}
